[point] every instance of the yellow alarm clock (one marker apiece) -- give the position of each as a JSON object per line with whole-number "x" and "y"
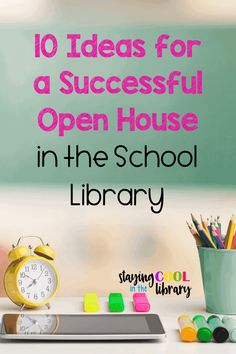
{"x": 31, "y": 280}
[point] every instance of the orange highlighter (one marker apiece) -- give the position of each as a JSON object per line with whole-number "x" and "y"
{"x": 188, "y": 332}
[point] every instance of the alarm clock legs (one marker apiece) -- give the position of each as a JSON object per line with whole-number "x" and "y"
{"x": 22, "y": 307}
{"x": 48, "y": 306}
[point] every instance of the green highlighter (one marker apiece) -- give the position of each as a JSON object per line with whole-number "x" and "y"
{"x": 116, "y": 302}
{"x": 204, "y": 332}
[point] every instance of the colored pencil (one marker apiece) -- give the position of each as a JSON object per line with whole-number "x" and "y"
{"x": 234, "y": 242}
{"x": 213, "y": 235}
{"x": 219, "y": 223}
{"x": 204, "y": 236}
{"x": 195, "y": 235}
{"x": 204, "y": 225}
{"x": 209, "y": 234}
{"x": 208, "y": 225}
{"x": 230, "y": 233}
{"x": 217, "y": 238}
{"x": 195, "y": 222}
{"x": 217, "y": 231}
{"x": 217, "y": 227}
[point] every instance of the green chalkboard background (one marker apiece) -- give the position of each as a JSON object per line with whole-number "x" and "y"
{"x": 19, "y": 107}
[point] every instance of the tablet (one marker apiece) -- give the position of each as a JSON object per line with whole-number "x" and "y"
{"x": 29, "y": 326}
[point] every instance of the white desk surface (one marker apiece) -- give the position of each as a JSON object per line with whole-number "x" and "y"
{"x": 167, "y": 308}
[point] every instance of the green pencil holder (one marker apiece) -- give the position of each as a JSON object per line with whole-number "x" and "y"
{"x": 218, "y": 269}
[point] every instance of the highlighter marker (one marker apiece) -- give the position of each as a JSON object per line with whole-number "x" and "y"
{"x": 91, "y": 303}
{"x": 219, "y": 331}
{"x": 116, "y": 302}
{"x": 230, "y": 324}
{"x": 204, "y": 332}
{"x": 141, "y": 303}
{"x": 188, "y": 332}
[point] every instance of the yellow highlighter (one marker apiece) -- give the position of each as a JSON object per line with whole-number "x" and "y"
{"x": 230, "y": 233}
{"x": 188, "y": 332}
{"x": 91, "y": 303}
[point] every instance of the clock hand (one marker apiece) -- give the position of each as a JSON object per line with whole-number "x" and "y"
{"x": 41, "y": 273}
{"x": 31, "y": 320}
{"x": 35, "y": 280}
{"x": 34, "y": 323}
{"x": 33, "y": 283}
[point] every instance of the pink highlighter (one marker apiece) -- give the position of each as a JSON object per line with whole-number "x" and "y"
{"x": 141, "y": 303}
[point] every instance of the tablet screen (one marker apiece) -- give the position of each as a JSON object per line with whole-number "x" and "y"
{"x": 29, "y": 324}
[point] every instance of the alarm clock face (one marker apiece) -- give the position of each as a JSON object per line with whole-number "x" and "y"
{"x": 37, "y": 280}
{"x": 36, "y": 324}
